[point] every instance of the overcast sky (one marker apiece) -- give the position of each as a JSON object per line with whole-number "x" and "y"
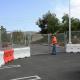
{"x": 22, "y": 14}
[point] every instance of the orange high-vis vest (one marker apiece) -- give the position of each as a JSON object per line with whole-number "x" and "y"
{"x": 54, "y": 40}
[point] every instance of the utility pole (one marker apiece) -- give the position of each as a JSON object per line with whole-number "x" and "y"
{"x": 70, "y": 22}
{"x": 0, "y": 36}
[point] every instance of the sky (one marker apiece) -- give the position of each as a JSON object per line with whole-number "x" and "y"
{"x": 23, "y": 14}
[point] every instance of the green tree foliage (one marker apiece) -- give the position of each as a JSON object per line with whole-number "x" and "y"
{"x": 49, "y": 23}
{"x": 4, "y": 37}
{"x": 75, "y": 23}
{"x": 65, "y": 23}
{"x": 3, "y": 34}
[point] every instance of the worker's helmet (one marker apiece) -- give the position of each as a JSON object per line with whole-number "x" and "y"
{"x": 53, "y": 34}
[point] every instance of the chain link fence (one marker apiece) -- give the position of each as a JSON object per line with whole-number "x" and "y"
{"x": 14, "y": 39}
{"x": 39, "y": 43}
{"x": 75, "y": 37}
{"x": 5, "y": 40}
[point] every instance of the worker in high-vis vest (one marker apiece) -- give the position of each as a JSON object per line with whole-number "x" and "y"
{"x": 53, "y": 43}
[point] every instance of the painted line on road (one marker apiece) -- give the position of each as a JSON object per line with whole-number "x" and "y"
{"x": 10, "y": 66}
{"x": 29, "y": 78}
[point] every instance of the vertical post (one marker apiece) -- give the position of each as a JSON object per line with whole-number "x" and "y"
{"x": 48, "y": 43}
{"x": 29, "y": 39}
{"x": 0, "y": 36}
{"x": 69, "y": 22}
{"x": 25, "y": 38}
{"x": 12, "y": 39}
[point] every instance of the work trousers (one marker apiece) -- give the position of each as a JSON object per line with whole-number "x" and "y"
{"x": 54, "y": 49}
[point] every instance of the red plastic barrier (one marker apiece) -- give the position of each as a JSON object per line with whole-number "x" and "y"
{"x": 8, "y": 55}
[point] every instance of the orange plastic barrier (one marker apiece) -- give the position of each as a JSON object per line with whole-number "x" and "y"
{"x": 8, "y": 55}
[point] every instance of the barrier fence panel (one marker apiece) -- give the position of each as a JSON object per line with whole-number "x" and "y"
{"x": 5, "y": 40}
{"x": 75, "y": 37}
{"x": 75, "y": 40}
{"x": 61, "y": 42}
{"x": 13, "y": 45}
{"x": 41, "y": 43}
{"x": 20, "y": 39}
{"x": 16, "y": 39}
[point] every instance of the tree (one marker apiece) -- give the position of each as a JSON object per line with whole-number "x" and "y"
{"x": 65, "y": 23}
{"x": 49, "y": 23}
{"x": 75, "y": 23}
{"x": 3, "y": 34}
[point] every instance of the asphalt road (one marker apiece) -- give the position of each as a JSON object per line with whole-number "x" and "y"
{"x": 37, "y": 49}
{"x": 48, "y": 67}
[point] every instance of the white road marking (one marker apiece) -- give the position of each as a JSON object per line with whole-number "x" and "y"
{"x": 29, "y": 78}
{"x": 10, "y": 66}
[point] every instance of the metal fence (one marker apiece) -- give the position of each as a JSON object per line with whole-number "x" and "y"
{"x": 39, "y": 43}
{"x": 15, "y": 39}
{"x": 75, "y": 37}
